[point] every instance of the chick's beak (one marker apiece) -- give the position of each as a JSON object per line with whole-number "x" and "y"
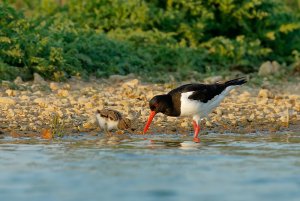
{"x": 151, "y": 116}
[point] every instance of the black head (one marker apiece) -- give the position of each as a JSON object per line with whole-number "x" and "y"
{"x": 160, "y": 103}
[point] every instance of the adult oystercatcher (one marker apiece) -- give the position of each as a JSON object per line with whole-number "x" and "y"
{"x": 109, "y": 119}
{"x": 196, "y": 100}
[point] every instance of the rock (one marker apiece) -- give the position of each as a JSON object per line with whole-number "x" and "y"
{"x": 233, "y": 122}
{"x": 66, "y": 86}
{"x": 262, "y": 101}
{"x": 264, "y": 93}
{"x": 125, "y": 103}
{"x": 131, "y": 83}
{"x": 268, "y": 68}
{"x": 5, "y": 84}
{"x": 219, "y": 112}
{"x": 88, "y": 125}
{"x": 149, "y": 95}
{"x": 120, "y": 78}
{"x": 117, "y": 78}
{"x": 284, "y": 119}
{"x": 242, "y": 119}
{"x": 266, "y": 111}
{"x": 37, "y": 79}
{"x": 251, "y": 117}
{"x": 88, "y": 105}
{"x": 10, "y": 92}
{"x": 245, "y": 94}
{"x": 54, "y": 86}
{"x": 24, "y": 128}
{"x": 276, "y": 66}
{"x": 41, "y": 102}
{"x": 7, "y": 100}
{"x": 40, "y": 123}
{"x": 18, "y": 81}
{"x": 63, "y": 93}
{"x": 169, "y": 119}
{"x": 184, "y": 124}
{"x": 231, "y": 116}
{"x": 82, "y": 100}
{"x": 213, "y": 79}
{"x": 297, "y": 107}
{"x": 265, "y": 69}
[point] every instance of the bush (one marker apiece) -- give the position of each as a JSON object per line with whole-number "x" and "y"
{"x": 104, "y": 37}
{"x": 268, "y": 25}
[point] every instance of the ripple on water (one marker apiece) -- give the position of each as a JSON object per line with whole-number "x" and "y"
{"x": 152, "y": 167}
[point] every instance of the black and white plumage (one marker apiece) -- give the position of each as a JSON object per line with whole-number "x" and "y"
{"x": 196, "y": 100}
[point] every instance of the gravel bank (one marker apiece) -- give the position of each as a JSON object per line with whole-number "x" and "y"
{"x": 29, "y": 107}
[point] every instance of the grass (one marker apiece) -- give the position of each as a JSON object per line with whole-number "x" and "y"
{"x": 57, "y": 126}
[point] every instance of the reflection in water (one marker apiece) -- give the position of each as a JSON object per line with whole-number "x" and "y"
{"x": 156, "y": 167}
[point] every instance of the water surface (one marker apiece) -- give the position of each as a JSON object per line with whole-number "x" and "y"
{"x": 164, "y": 167}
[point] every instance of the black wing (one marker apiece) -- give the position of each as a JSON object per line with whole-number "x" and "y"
{"x": 206, "y": 92}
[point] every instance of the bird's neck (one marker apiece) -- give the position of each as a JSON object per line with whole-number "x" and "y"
{"x": 169, "y": 108}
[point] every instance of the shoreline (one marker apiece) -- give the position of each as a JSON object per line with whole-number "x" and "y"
{"x": 27, "y": 108}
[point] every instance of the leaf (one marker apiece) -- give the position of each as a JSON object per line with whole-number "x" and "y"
{"x": 286, "y": 28}
{"x": 46, "y": 134}
{"x": 4, "y": 39}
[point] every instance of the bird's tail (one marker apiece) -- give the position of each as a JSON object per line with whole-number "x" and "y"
{"x": 237, "y": 81}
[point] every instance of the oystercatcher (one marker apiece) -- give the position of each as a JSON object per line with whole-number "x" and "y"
{"x": 109, "y": 119}
{"x": 196, "y": 100}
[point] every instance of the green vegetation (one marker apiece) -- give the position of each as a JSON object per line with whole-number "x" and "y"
{"x": 57, "y": 126}
{"x": 64, "y": 38}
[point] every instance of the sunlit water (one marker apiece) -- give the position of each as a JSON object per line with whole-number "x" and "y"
{"x": 221, "y": 167}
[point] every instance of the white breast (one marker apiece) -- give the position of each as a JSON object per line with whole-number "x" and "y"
{"x": 105, "y": 123}
{"x": 194, "y": 107}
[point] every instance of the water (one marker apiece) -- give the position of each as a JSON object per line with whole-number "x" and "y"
{"x": 221, "y": 167}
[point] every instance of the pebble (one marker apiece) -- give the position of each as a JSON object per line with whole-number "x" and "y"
{"x": 7, "y": 100}
{"x": 120, "y": 78}
{"x": 219, "y": 112}
{"x": 131, "y": 83}
{"x": 251, "y": 117}
{"x": 269, "y": 68}
{"x": 10, "y": 92}
{"x": 37, "y": 79}
{"x": 76, "y": 102}
{"x": 184, "y": 124}
{"x": 82, "y": 100}
{"x": 24, "y": 98}
{"x": 264, "y": 93}
{"x": 18, "y": 81}
{"x": 63, "y": 93}
{"x": 41, "y": 102}
{"x": 54, "y": 86}
{"x": 231, "y": 116}
{"x": 262, "y": 101}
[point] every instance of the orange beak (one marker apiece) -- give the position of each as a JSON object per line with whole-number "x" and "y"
{"x": 152, "y": 114}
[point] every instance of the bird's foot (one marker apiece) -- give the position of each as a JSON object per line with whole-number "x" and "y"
{"x": 196, "y": 139}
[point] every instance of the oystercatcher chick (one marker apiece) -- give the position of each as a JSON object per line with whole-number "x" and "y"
{"x": 109, "y": 119}
{"x": 196, "y": 100}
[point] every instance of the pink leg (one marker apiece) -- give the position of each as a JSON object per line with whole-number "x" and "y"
{"x": 194, "y": 125}
{"x": 196, "y": 132}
